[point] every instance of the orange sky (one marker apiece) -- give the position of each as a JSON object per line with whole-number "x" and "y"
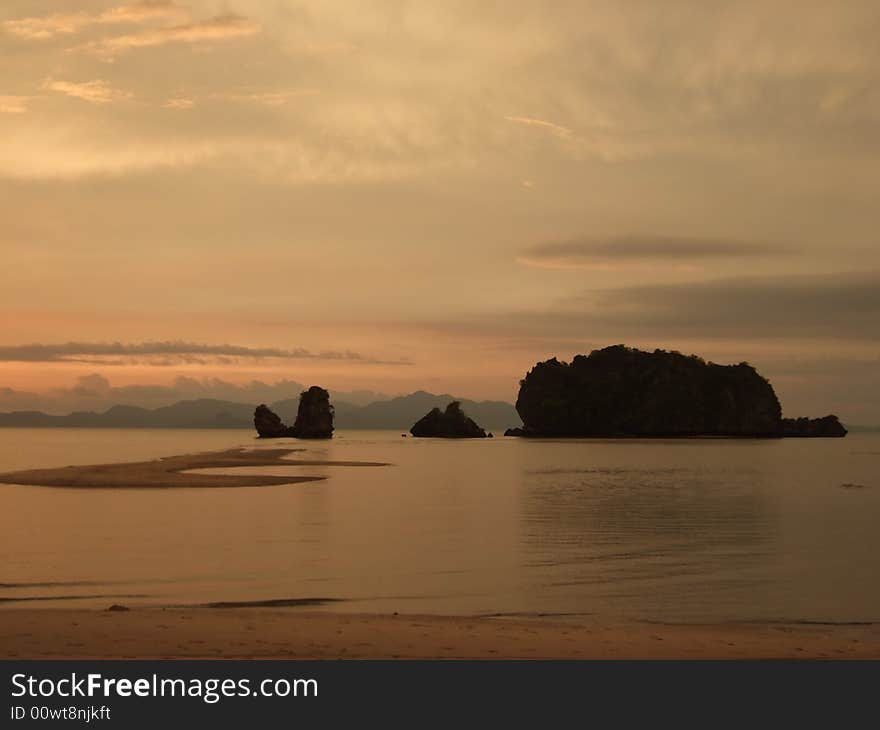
{"x": 403, "y": 195}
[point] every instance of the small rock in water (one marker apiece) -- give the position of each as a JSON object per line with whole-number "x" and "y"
{"x": 314, "y": 419}
{"x": 118, "y": 607}
{"x": 451, "y": 423}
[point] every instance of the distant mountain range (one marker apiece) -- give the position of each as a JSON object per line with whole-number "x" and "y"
{"x": 395, "y": 413}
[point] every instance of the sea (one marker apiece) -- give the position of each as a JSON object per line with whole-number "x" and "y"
{"x": 678, "y": 531}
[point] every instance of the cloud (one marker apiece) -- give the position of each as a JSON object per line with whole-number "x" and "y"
{"x": 220, "y": 27}
{"x": 95, "y": 392}
{"x": 141, "y": 11}
{"x": 542, "y": 124}
{"x": 179, "y": 103}
{"x": 91, "y": 386}
{"x": 832, "y": 306}
{"x": 167, "y": 353}
{"x": 266, "y": 98}
{"x": 14, "y": 104}
{"x": 49, "y": 26}
{"x": 759, "y": 310}
{"x": 584, "y": 253}
{"x": 95, "y": 92}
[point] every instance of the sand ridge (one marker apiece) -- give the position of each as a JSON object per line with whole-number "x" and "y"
{"x": 175, "y": 471}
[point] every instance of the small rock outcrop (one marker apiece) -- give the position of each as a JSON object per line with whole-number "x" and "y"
{"x": 451, "y": 423}
{"x": 314, "y": 418}
{"x": 514, "y": 432}
{"x": 825, "y": 427}
{"x": 269, "y": 424}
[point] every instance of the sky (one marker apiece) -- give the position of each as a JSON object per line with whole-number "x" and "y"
{"x": 220, "y": 196}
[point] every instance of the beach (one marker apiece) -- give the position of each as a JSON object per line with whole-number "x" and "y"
{"x": 292, "y": 633}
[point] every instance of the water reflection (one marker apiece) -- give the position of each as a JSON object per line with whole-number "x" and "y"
{"x": 627, "y": 536}
{"x": 678, "y": 531}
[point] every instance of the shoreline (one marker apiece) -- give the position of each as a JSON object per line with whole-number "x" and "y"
{"x": 291, "y": 633}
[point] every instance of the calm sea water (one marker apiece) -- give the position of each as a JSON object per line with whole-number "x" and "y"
{"x": 662, "y": 530}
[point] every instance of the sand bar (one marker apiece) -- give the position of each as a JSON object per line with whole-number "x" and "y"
{"x": 173, "y": 471}
{"x": 291, "y": 633}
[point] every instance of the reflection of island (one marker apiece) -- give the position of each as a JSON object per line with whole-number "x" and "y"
{"x": 613, "y": 529}
{"x": 624, "y": 392}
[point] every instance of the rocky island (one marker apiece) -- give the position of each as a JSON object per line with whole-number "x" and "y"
{"x": 269, "y": 424}
{"x": 624, "y": 392}
{"x": 451, "y": 423}
{"x": 314, "y": 418}
{"x": 825, "y": 427}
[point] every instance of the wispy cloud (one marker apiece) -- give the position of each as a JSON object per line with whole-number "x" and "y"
{"x": 141, "y": 11}
{"x": 167, "y": 353}
{"x": 14, "y": 104}
{"x": 55, "y": 24}
{"x": 542, "y": 124}
{"x": 47, "y": 26}
{"x": 584, "y": 253}
{"x": 266, "y": 98}
{"x": 96, "y": 92}
{"x": 218, "y": 28}
{"x": 179, "y": 103}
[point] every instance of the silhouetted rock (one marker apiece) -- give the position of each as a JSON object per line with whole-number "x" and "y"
{"x": 825, "y": 427}
{"x": 514, "y": 432}
{"x": 268, "y": 423}
{"x": 451, "y": 423}
{"x": 314, "y": 418}
{"x": 401, "y": 412}
{"x": 620, "y": 391}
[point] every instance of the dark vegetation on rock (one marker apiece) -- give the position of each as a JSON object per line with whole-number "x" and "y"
{"x": 623, "y": 392}
{"x": 451, "y": 423}
{"x": 314, "y": 418}
{"x": 268, "y": 423}
{"x": 827, "y": 426}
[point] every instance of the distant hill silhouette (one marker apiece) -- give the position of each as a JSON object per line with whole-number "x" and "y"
{"x": 395, "y": 413}
{"x": 202, "y": 413}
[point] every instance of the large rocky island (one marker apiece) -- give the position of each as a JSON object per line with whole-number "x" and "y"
{"x": 623, "y": 392}
{"x": 314, "y": 418}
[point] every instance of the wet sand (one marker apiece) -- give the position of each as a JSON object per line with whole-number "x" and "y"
{"x": 175, "y": 471}
{"x": 290, "y": 633}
